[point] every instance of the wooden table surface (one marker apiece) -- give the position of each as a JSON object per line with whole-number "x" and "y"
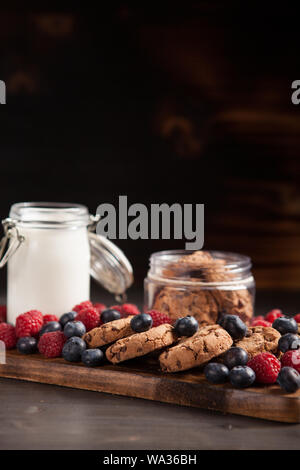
{"x": 36, "y": 416}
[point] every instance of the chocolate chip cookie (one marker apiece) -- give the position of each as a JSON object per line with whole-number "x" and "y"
{"x": 140, "y": 344}
{"x": 259, "y": 339}
{"x": 209, "y": 342}
{"x": 231, "y": 301}
{"x": 108, "y": 333}
{"x": 179, "y": 303}
{"x": 192, "y": 264}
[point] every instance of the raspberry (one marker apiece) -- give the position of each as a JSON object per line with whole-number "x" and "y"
{"x": 266, "y": 367}
{"x": 51, "y": 344}
{"x": 8, "y": 335}
{"x": 296, "y": 317}
{"x": 90, "y": 317}
{"x": 2, "y": 313}
{"x": 99, "y": 307}
{"x": 126, "y": 309}
{"x": 48, "y": 318}
{"x": 23, "y": 325}
{"x": 82, "y": 306}
{"x": 254, "y": 319}
{"x": 35, "y": 314}
{"x": 159, "y": 318}
{"x": 116, "y": 307}
{"x": 261, "y": 323}
{"x": 37, "y": 321}
{"x": 290, "y": 359}
{"x": 129, "y": 309}
{"x": 29, "y": 323}
{"x": 273, "y": 314}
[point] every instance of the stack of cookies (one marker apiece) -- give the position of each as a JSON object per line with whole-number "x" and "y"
{"x": 206, "y": 303}
{"x": 182, "y": 346}
{"x": 123, "y": 343}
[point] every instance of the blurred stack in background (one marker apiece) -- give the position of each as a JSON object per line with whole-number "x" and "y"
{"x": 188, "y": 104}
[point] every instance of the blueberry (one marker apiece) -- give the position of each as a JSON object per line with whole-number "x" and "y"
{"x": 234, "y": 326}
{"x": 289, "y": 379}
{"x": 216, "y": 373}
{"x": 49, "y": 327}
{"x": 70, "y": 316}
{"x": 92, "y": 357}
{"x": 73, "y": 349}
{"x": 241, "y": 376}
{"x": 74, "y": 328}
{"x": 141, "y": 322}
{"x": 186, "y": 326}
{"x": 285, "y": 325}
{"x": 235, "y": 357}
{"x": 27, "y": 345}
{"x": 110, "y": 315}
{"x": 288, "y": 342}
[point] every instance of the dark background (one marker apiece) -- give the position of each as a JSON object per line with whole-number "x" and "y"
{"x": 163, "y": 103}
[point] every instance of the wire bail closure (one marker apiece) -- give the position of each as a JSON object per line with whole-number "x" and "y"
{"x": 94, "y": 219}
{"x": 10, "y": 242}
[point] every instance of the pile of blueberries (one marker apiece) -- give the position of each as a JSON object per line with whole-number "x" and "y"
{"x": 233, "y": 367}
{"x": 74, "y": 349}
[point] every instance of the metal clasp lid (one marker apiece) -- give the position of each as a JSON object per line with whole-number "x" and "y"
{"x": 10, "y": 242}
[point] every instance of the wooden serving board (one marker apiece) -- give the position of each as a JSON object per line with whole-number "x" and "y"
{"x": 142, "y": 379}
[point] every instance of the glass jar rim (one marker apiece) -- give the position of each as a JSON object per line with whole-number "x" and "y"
{"x": 49, "y": 214}
{"x": 234, "y": 270}
{"x": 232, "y": 261}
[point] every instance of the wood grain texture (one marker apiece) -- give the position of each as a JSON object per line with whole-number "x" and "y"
{"x": 143, "y": 380}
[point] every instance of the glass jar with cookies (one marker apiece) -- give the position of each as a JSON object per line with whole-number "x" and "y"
{"x": 204, "y": 284}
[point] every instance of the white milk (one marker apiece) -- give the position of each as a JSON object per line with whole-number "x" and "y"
{"x": 50, "y": 271}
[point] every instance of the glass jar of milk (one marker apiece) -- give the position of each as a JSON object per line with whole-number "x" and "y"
{"x": 51, "y": 252}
